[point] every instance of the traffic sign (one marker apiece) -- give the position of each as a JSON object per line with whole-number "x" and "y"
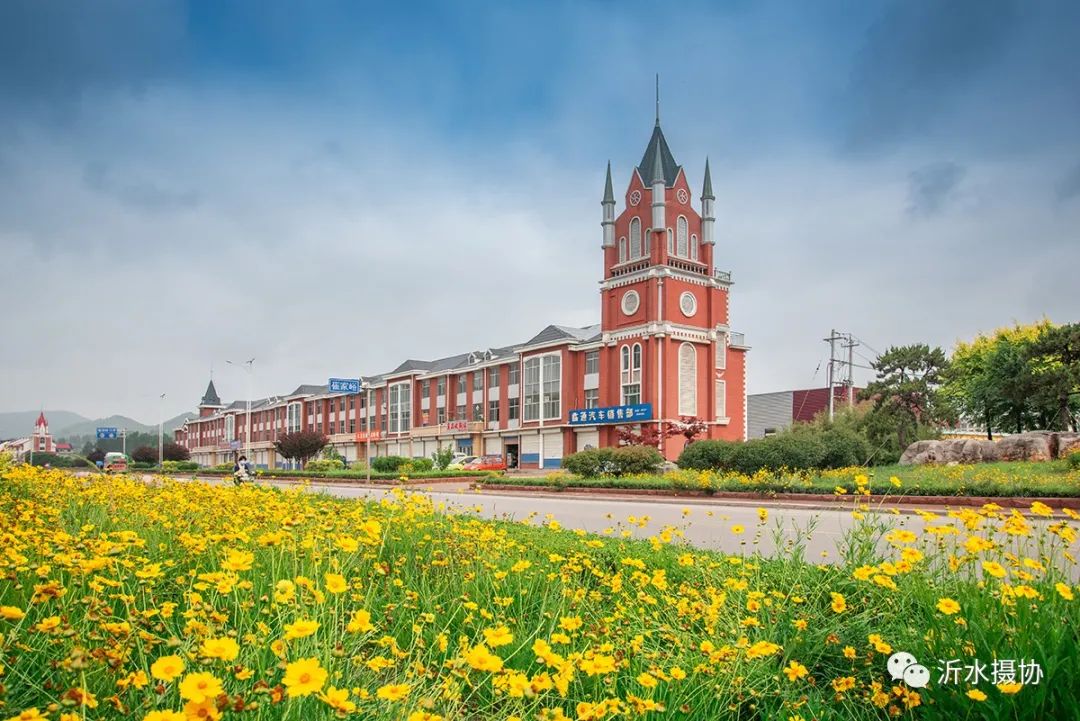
{"x": 108, "y": 433}
{"x": 343, "y": 385}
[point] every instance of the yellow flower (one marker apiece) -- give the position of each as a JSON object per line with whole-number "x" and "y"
{"x": 301, "y": 628}
{"x": 167, "y": 668}
{"x": 647, "y": 680}
{"x": 569, "y": 623}
{"x": 360, "y": 622}
{"x": 48, "y": 624}
{"x": 238, "y": 561}
{"x": 1041, "y": 509}
{"x": 994, "y": 568}
{"x": 336, "y": 583}
{"x": 839, "y": 603}
{"x": 948, "y": 606}
{"x": 223, "y": 648}
{"x": 849, "y": 652}
{"x": 200, "y": 686}
{"x": 480, "y": 658}
{"x": 1010, "y": 688}
{"x": 165, "y": 716}
{"x": 677, "y": 673}
{"x": 28, "y": 715}
{"x": 393, "y": 691}
{"x": 425, "y": 716}
{"x": 11, "y": 613}
{"x": 844, "y": 683}
{"x": 304, "y": 677}
{"x": 1064, "y": 591}
{"x": 795, "y": 670}
{"x": 895, "y": 481}
{"x": 761, "y": 649}
{"x": 763, "y": 514}
{"x": 496, "y": 637}
{"x": 737, "y": 529}
{"x": 976, "y": 695}
{"x": 205, "y": 710}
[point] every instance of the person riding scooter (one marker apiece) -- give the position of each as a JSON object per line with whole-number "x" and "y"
{"x": 241, "y": 470}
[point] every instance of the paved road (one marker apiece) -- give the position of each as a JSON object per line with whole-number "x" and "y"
{"x": 703, "y": 523}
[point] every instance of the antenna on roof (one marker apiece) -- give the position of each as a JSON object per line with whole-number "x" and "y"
{"x": 658, "y": 100}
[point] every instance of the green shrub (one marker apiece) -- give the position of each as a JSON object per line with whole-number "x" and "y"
{"x": 320, "y": 465}
{"x": 633, "y": 460}
{"x": 1074, "y": 460}
{"x": 142, "y": 466}
{"x": 442, "y": 457}
{"x": 844, "y": 448}
{"x": 417, "y": 465}
{"x": 590, "y": 463}
{"x": 708, "y": 455}
{"x": 388, "y": 464}
{"x": 179, "y": 466}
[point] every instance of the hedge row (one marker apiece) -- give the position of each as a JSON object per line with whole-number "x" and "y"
{"x": 353, "y": 474}
{"x": 804, "y": 450}
{"x": 622, "y": 461}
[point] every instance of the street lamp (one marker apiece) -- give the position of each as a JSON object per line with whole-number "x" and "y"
{"x": 250, "y": 363}
{"x": 160, "y": 430}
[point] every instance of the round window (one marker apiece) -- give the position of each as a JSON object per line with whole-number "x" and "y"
{"x": 688, "y": 304}
{"x": 630, "y": 302}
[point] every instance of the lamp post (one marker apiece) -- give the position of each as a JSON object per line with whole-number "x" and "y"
{"x": 250, "y": 363}
{"x": 160, "y": 431}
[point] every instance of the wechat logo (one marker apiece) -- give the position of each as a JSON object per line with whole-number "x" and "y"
{"x": 903, "y": 666}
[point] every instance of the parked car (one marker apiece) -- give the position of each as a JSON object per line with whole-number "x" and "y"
{"x": 487, "y": 463}
{"x": 115, "y": 463}
{"x": 459, "y": 462}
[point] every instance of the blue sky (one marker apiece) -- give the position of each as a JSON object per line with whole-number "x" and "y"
{"x": 198, "y": 181}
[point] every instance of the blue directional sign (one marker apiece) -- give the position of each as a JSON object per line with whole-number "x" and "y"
{"x": 344, "y": 385}
{"x": 611, "y": 414}
{"x": 108, "y": 433}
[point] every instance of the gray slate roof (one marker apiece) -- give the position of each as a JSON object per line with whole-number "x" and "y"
{"x": 210, "y": 398}
{"x": 555, "y": 333}
{"x": 658, "y": 145}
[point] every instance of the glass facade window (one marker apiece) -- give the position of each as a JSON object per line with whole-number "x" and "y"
{"x": 440, "y": 415}
{"x": 592, "y": 398}
{"x": 493, "y": 411}
{"x": 552, "y": 387}
{"x": 478, "y": 411}
{"x": 461, "y": 383}
{"x": 292, "y": 423}
{"x": 400, "y": 407}
{"x": 477, "y": 381}
{"x": 493, "y": 377}
{"x": 513, "y": 409}
{"x": 459, "y": 413}
{"x": 515, "y": 371}
{"x": 440, "y": 388}
{"x": 532, "y": 389}
{"x": 592, "y": 362}
{"x": 425, "y": 389}
{"x": 630, "y": 373}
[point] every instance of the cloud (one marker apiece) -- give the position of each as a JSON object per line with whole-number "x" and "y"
{"x": 932, "y": 187}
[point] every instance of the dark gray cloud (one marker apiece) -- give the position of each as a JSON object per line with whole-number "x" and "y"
{"x": 994, "y": 74}
{"x": 931, "y": 187}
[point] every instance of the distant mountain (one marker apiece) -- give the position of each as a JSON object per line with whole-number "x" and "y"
{"x": 19, "y": 424}
{"x": 89, "y": 427}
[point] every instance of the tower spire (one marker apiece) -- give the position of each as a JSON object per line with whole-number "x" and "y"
{"x": 609, "y": 193}
{"x": 608, "y": 204}
{"x": 658, "y": 100}
{"x": 706, "y": 191}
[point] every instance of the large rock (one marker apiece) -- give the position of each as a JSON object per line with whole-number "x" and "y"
{"x": 1031, "y": 446}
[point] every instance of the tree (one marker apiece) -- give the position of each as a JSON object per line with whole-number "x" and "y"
{"x": 648, "y": 435}
{"x": 905, "y": 393}
{"x": 144, "y": 454}
{"x": 300, "y": 446}
{"x": 175, "y": 452}
{"x": 94, "y": 455}
{"x": 689, "y": 427}
{"x": 1055, "y": 357}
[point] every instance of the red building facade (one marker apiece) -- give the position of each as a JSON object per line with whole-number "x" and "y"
{"x": 663, "y": 346}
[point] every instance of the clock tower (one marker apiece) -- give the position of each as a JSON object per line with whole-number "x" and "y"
{"x": 664, "y": 306}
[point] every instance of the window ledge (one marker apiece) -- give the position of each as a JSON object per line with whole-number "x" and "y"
{"x": 723, "y": 421}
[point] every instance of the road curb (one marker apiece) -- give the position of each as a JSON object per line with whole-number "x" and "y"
{"x": 828, "y": 500}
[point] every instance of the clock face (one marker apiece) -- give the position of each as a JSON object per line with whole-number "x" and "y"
{"x": 635, "y": 197}
{"x": 630, "y": 302}
{"x": 688, "y": 304}
{"x": 682, "y": 195}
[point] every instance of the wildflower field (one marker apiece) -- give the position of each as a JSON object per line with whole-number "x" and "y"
{"x": 183, "y": 600}
{"x": 1019, "y": 478}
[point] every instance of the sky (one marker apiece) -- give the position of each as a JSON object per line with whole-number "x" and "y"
{"x": 334, "y": 187}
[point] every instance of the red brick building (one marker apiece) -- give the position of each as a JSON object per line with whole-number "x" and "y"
{"x": 663, "y": 351}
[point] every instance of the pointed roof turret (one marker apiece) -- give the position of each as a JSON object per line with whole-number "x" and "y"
{"x": 41, "y": 422}
{"x": 210, "y": 398}
{"x": 706, "y": 190}
{"x": 657, "y": 152}
{"x": 609, "y": 194}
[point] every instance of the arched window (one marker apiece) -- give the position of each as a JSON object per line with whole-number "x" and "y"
{"x": 693, "y": 247}
{"x": 622, "y": 250}
{"x": 630, "y": 375}
{"x": 635, "y": 238}
{"x": 682, "y": 246}
{"x": 687, "y": 380}
{"x": 670, "y": 242}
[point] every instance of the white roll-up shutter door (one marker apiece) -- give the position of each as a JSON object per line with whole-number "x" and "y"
{"x": 530, "y": 443}
{"x": 588, "y": 438}
{"x": 492, "y": 445}
{"x": 553, "y": 445}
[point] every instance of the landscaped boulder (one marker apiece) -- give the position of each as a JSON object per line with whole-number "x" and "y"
{"x": 1031, "y": 446}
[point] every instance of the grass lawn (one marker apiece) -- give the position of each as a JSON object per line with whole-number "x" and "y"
{"x": 1052, "y": 478}
{"x": 171, "y": 600}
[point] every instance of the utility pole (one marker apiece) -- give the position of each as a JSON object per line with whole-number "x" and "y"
{"x": 160, "y": 432}
{"x": 848, "y": 341}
